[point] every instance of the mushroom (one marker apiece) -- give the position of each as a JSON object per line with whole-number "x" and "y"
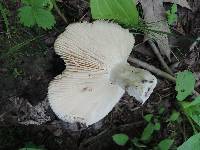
{"x": 97, "y": 73}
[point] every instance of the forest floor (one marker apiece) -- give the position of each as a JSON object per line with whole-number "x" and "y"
{"x": 31, "y": 64}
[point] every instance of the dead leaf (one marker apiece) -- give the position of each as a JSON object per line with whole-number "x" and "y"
{"x": 155, "y": 18}
{"x": 182, "y": 3}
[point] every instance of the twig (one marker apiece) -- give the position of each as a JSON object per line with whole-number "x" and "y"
{"x": 164, "y": 64}
{"x": 156, "y": 51}
{"x": 152, "y": 69}
{"x": 59, "y": 12}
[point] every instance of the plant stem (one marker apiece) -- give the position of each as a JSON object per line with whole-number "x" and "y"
{"x": 193, "y": 126}
{"x": 5, "y": 19}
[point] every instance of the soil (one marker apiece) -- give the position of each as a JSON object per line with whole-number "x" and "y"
{"x": 25, "y": 72}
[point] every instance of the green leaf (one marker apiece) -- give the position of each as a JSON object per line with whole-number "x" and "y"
{"x": 122, "y": 11}
{"x": 157, "y": 126}
{"x": 192, "y": 109}
{"x": 165, "y": 144}
{"x": 148, "y": 117}
{"x": 185, "y": 83}
{"x": 34, "y": 12}
{"x": 48, "y": 4}
{"x": 44, "y": 19}
{"x": 174, "y": 8}
{"x": 195, "y": 102}
{"x": 25, "y": 15}
{"x": 120, "y": 139}
{"x": 174, "y": 116}
{"x": 148, "y": 131}
{"x": 171, "y": 19}
{"x": 171, "y": 14}
{"x": 193, "y": 143}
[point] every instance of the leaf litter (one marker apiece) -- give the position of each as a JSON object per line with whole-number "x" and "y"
{"x": 154, "y": 16}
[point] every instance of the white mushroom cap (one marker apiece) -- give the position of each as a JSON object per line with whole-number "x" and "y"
{"x": 84, "y": 92}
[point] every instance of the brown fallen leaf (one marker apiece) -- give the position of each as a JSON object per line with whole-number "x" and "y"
{"x": 154, "y": 16}
{"x": 182, "y": 3}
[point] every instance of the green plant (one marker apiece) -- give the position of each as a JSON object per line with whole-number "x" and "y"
{"x": 193, "y": 143}
{"x": 171, "y": 14}
{"x": 4, "y": 13}
{"x": 192, "y": 109}
{"x": 120, "y": 139}
{"x": 185, "y": 83}
{"x": 153, "y": 125}
{"x": 122, "y": 11}
{"x": 174, "y": 116}
{"x": 37, "y": 12}
{"x": 165, "y": 144}
{"x": 17, "y": 72}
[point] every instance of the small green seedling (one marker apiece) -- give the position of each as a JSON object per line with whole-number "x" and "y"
{"x": 140, "y": 143}
{"x": 165, "y": 144}
{"x": 185, "y": 83}
{"x": 17, "y": 72}
{"x": 37, "y": 12}
{"x": 174, "y": 116}
{"x": 192, "y": 109}
{"x": 120, "y": 139}
{"x": 150, "y": 128}
{"x": 5, "y": 13}
{"x": 171, "y": 14}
